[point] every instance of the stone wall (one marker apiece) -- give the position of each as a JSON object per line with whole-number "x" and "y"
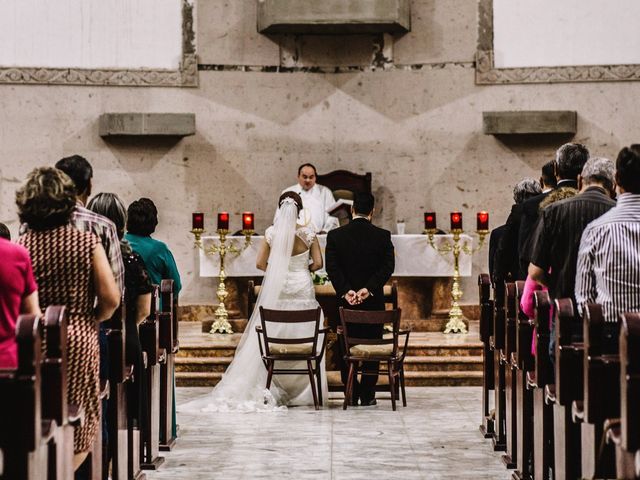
{"x": 407, "y": 109}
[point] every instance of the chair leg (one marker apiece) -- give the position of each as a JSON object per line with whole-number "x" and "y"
{"x": 319, "y": 378}
{"x": 269, "y": 374}
{"x": 392, "y": 387}
{"x": 404, "y": 394}
{"x": 312, "y": 380}
{"x": 349, "y": 392}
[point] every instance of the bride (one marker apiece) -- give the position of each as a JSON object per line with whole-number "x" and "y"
{"x": 287, "y": 254}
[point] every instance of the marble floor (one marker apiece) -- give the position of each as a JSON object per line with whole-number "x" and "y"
{"x": 435, "y": 437}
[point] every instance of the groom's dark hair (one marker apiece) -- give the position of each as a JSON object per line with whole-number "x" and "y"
{"x": 363, "y": 203}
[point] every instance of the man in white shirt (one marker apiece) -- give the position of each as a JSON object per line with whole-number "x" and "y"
{"x": 315, "y": 200}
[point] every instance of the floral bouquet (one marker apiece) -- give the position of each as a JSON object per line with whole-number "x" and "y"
{"x": 319, "y": 278}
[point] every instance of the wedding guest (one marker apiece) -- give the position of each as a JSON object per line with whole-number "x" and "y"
{"x": 4, "y": 232}
{"x": 137, "y": 300}
{"x": 18, "y": 294}
{"x": 570, "y": 158}
{"x": 71, "y": 269}
{"x": 608, "y": 264}
{"x": 316, "y": 199}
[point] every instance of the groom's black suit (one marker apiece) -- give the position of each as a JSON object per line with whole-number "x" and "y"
{"x": 360, "y": 255}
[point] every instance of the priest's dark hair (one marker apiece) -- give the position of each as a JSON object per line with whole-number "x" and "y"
{"x": 628, "y": 168}
{"x": 307, "y": 165}
{"x": 4, "y": 232}
{"x": 79, "y": 170}
{"x": 363, "y": 203}
{"x": 142, "y": 217}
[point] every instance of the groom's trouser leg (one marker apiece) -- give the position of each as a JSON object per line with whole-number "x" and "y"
{"x": 368, "y": 382}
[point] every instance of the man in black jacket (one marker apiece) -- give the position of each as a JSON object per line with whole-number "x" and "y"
{"x": 359, "y": 261}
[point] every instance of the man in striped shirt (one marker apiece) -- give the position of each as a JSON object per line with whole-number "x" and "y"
{"x": 608, "y": 269}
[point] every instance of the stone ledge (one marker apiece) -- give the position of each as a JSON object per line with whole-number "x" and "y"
{"x": 530, "y": 122}
{"x": 143, "y": 124}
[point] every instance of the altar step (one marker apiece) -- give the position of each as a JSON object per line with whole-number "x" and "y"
{"x": 433, "y": 359}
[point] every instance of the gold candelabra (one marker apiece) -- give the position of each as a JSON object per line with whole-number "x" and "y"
{"x": 221, "y": 323}
{"x": 456, "y": 318}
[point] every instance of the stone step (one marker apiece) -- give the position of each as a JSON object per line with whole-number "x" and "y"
{"x": 412, "y": 378}
{"x": 418, "y": 363}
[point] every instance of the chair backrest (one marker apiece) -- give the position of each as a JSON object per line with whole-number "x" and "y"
{"x": 345, "y": 184}
{"x": 270, "y": 316}
{"x": 370, "y": 317}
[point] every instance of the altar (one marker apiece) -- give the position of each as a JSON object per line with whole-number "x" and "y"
{"x": 423, "y": 275}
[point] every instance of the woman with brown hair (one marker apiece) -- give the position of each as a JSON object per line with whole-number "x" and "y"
{"x": 71, "y": 269}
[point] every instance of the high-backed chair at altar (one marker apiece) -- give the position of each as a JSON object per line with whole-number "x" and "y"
{"x": 511, "y": 379}
{"x": 155, "y": 356}
{"x": 169, "y": 343}
{"x": 601, "y": 364}
{"x": 569, "y": 350}
{"x": 486, "y": 331}
{"x": 538, "y": 380}
{"x": 524, "y": 364}
{"x": 624, "y": 432}
{"x": 345, "y": 185}
{"x": 387, "y": 350}
{"x": 24, "y": 434}
{"x": 498, "y": 344}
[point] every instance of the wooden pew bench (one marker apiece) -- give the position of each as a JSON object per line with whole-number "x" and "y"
{"x": 511, "y": 378}
{"x": 486, "y": 331}
{"x": 168, "y": 331}
{"x": 497, "y": 343}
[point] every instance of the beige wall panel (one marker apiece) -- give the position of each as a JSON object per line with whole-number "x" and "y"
{"x": 441, "y": 31}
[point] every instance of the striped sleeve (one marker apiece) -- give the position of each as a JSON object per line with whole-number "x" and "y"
{"x": 585, "y": 289}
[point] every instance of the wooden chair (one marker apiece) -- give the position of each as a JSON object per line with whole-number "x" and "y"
{"x": 345, "y": 185}
{"x": 385, "y": 350}
{"x": 624, "y": 432}
{"x": 486, "y": 330}
{"x": 568, "y": 388}
{"x": 524, "y": 364}
{"x": 601, "y": 374}
{"x": 538, "y": 380}
{"x": 498, "y": 343}
{"x": 302, "y": 349}
{"x": 24, "y": 434}
{"x": 168, "y": 319}
{"x": 149, "y": 339}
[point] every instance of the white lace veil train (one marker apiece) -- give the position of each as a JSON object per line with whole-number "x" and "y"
{"x": 242, "y": 387}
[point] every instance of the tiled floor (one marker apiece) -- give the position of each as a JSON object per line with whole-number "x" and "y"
{"x": 435, "y": 437}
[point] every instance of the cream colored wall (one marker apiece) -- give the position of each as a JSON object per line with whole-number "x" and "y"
{"x": 417, "y": 129}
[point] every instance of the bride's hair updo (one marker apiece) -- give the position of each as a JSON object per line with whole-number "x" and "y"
{"x": 296, "y": 198}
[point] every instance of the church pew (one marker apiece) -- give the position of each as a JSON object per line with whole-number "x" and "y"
{"x": 510, "y": 458}
{"x": 524, "y": 364}
{"x": 537, "y": 380}
{"x": 624, "y": 432}
{"x": 149, "y": 339}
{"x": 119, "y": 374}
{"x": 24, "y": 434}
{"x": 54, "y": 389}
{"x": 168, "y": 342}
{"x": 486, "y": 330}
{"x": 499, "y": 359}
{"x": 601, "y": 374}
{"x": 568, "y": 388}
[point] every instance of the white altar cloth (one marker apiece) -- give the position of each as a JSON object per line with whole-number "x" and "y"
{"x": 414, "y": 257}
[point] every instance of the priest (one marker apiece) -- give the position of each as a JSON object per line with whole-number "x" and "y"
{"x": 316, "y": 199}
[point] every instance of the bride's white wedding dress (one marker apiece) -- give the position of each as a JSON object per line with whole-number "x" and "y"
{"x": 287, "y": 285}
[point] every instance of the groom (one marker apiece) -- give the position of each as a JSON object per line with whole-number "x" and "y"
{"x": 359, "y": 261}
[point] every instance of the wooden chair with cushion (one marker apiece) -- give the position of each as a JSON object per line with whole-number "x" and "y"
{"x": 345, "y": 185}
{"x": 305, "y": 348}
{"x": 385, "y": 350}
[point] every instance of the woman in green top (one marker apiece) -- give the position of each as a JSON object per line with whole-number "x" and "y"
{"x": 142, "y": 219}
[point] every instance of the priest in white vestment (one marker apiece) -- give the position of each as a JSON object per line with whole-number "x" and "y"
{"x": 316, "y": 199}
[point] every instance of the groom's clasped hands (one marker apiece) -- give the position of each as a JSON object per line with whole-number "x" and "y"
{"x": 356, "y": 298}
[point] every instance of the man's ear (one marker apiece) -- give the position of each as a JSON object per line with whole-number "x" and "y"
{"x": 89, "y": 187}
{"x": 580, "y": 183}
{"x": 555, "y": 169}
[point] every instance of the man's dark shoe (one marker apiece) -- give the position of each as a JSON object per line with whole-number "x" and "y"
{"x": 369, "y": 403}
{"x": 354, "y": 401}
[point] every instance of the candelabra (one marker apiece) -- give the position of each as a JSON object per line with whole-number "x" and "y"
{"x": 457, "y": 247}
{"x": 221, "y": 323}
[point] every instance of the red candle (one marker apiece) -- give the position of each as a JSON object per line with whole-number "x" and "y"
{"x": 429, "y": 220}
{"x": 197, "y": 222}
{"x": 247, "y": 221}
{"x": 483, "y": 221}
{"x": 456, "y": 221}
{"x": 223, "y": 221}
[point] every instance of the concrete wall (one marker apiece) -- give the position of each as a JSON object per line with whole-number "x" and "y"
{"x": 415, "y": 122}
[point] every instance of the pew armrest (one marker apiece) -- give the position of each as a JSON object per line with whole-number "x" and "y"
{"x": 162, "y": 357}
{"x": 49, "y": 427}
{"x": 531, "y": 380}
{"x": 104, "y": 389}
{"x": 128, "y": 373}
{"x": 550, "y": 394}
{"x": 76, "y": 415}
{"x": 577, "y": 411}
{"x": 145, "y": 360}
{"x": 613, "y": 431}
